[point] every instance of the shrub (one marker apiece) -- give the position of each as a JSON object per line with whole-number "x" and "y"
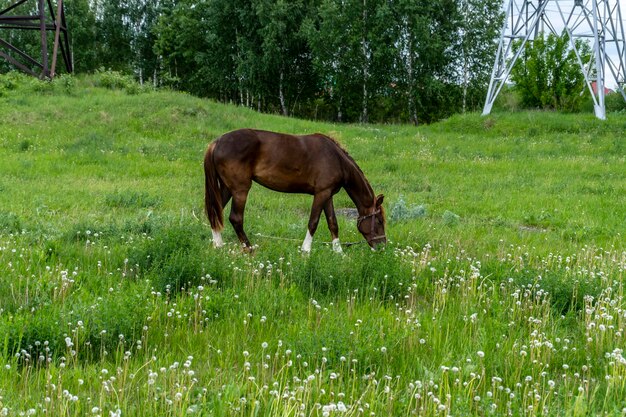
{"x": 115, "y": 80}
{"x": 548, "y": 75}
{"x": 41, "y": 86}
{"x": 400, "y": 211}
{"x": 12, "y": 81}
{"x": 615, "y": 102}
{"x": 450, "y": 218}
{"x": 66, "y": 83}
{"x": 10, "y": 222}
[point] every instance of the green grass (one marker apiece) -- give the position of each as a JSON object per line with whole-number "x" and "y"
{"x": 500, "y": 292}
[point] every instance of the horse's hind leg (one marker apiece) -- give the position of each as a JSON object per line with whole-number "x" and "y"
{"x": 218, "y": 242}
{"x": 236, "y": 216}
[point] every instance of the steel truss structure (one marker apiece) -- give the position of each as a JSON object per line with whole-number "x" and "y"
{"x": 44, "y": 22}
{"x": 598, "y": 21}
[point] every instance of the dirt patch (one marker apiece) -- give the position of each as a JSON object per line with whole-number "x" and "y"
{"x": 350, "y": 213}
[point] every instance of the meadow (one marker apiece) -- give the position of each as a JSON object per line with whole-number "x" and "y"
{"x": 500, "y": 291}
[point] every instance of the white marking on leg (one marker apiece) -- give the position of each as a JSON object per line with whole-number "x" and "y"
{"x": 337, "y": 246}
{"x": 217, "y": 239}
{"x": 306, "y": 245}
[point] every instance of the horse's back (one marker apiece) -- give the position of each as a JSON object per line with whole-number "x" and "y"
{"x": 278, "y": 161}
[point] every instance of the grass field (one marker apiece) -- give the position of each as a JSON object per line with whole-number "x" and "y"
{"x": 501, "y": 291}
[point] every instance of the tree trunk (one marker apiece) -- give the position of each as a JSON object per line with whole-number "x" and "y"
{"x": 364, "y": 116}
{"x": 465, "y": 82}
{"x": 281, "y": 95}
{"x": 410, "y": 63}
{"x": 464, "y": 8}
{"x": 339, "y": 113}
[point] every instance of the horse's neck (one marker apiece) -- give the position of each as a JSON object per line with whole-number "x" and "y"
{"x": 358, "y": 188}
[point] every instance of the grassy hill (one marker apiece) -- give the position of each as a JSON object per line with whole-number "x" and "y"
{"x": 501, "y": 290}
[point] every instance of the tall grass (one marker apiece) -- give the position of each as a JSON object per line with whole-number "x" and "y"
{"x": 500, "y": 292}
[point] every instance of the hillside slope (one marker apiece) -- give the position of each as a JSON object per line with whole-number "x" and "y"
{"x": 500, "y": 292}
{"x": 508, "y": 175}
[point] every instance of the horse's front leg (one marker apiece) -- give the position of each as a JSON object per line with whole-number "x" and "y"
{"x": 319, "y": 200}
{"x": 333, "y": 226}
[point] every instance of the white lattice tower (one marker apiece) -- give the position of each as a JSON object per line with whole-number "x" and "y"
{"x": 598, "y": 21}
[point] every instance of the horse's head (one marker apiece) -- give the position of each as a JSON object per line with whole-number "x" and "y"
{"x": 372, "y": 225}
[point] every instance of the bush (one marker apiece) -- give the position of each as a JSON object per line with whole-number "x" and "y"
{"x": 547, "y": 74}
{"x": 66, "y": 83}
{"x": 10, "y": 223}
{"x": 450, "y": 218}
{"x": 12, "y": 81}
{"x": 115, "y": 80}
{"x": 400, "y": 211}
{"x": 614, "y": 102}
{"x": 41, "y": 86}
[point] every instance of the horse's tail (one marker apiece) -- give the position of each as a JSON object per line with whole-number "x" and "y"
{"x": 213, "y": 193}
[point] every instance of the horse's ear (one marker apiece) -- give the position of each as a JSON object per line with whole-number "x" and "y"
{"x": 379, "y": 200}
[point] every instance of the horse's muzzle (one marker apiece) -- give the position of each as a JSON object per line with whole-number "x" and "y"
{"x": 377, "y": 242}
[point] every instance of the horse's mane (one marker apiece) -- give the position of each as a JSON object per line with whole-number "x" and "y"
{"x": 343, "y": 150}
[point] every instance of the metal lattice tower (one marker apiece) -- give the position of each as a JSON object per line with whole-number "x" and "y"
{"x": 19, "y": 16}
{"x": 597, "y": 21}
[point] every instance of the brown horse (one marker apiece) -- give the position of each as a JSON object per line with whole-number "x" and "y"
{"x": 312, "y": 164}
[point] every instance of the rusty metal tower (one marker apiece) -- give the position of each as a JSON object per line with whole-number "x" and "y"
{"x": 598, "y": 21}
{"x": 48, "y": 20}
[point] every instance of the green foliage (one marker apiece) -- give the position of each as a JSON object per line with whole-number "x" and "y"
{"x": 331, "y": 59}
{"x": 16, "y": 81}
{"x": 401, "y": 212}
{"x": 322, "y": 59}
{"x": 615, "y": 102}
{"x": 10, "y": 222}
{"x": 66, "y": 82}
{"x": 115, "y": 80}
{"x": 548, "y": 75}
{"x": 480, "y": 25}
{"x": 10, "y": 81}
{"x": 449, "y": 218}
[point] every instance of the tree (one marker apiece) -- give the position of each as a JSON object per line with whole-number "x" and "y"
{"x": 481, "y": 21}
{"x": 351, "y": 43}
{"x": 114, "y": 35}
{"x": 356, "y": 59}
{"x": 285, "y": 54}
{"x": 427, "y": 34}
{"x": 143, "y": 15}
{"x": 547, "y": 75}
{"x": 188, "y": 42}
{"x": 81, "y": 22}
